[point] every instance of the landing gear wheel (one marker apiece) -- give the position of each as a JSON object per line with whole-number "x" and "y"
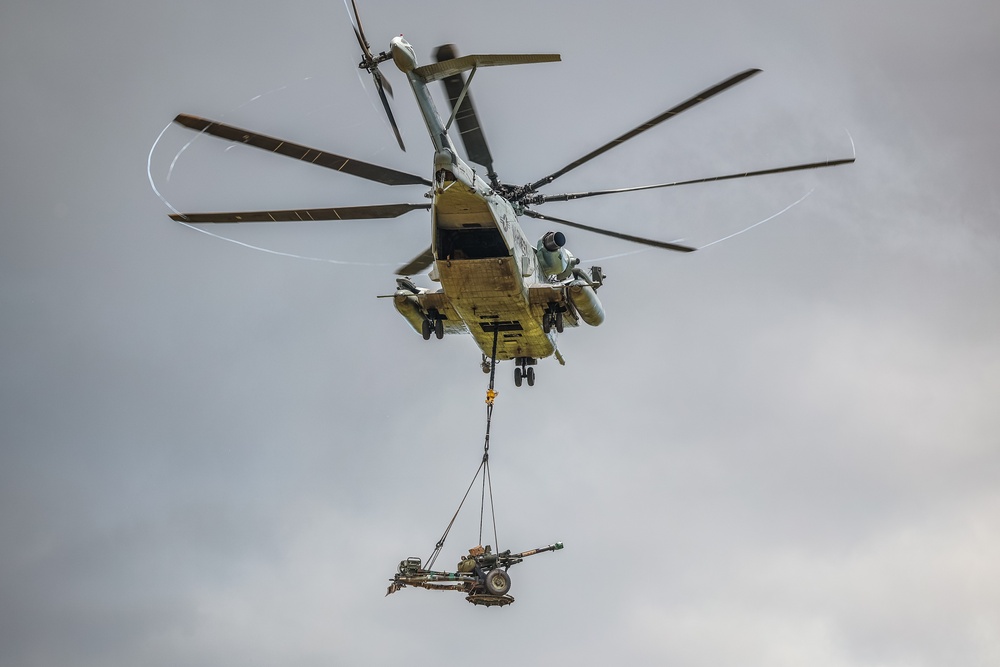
{"x": 425, "y": 329}
{"x": 517, "y": 376}
{"x": 439, "y": 328}
{"x": 497, "y": 582}
{"x": 547, "y": 322}
{"x": 530, "y": 375}
{"x": 559, "y": 322}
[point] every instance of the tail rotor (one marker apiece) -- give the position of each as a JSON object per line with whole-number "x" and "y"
{"x": 370, "y": 62}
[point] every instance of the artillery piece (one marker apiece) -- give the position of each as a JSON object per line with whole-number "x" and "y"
{"x": 482, "y": 575}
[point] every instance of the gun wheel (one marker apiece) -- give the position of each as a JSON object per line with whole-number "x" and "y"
{"x": 497, "y": 582}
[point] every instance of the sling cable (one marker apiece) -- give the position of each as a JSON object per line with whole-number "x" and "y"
{"x": 482, "y": 574}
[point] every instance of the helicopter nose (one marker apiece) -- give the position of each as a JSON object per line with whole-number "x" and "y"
{"x": 402, "y": 54}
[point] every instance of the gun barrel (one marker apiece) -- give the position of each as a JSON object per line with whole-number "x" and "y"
{"x": 531, "y": 552}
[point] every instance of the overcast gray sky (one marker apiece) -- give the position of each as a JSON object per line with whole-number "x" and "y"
{"x": 779, "y": 451}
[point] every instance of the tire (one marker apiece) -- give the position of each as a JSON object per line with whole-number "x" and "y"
{"x": 530, "y": 375}
{"x": 439, "y": 328}
{"x": 559, "y": 322}
{"x": 517, "y": 376}
{"x": 546, "y": 323}
{"x": 497, "y": 582}
{"x": 425, "y": 330}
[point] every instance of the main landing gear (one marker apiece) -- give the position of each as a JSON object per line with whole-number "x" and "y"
{"x": 553, "y": 317}
{"x": 524, "y": 371}
{"x": 433, "y": 322}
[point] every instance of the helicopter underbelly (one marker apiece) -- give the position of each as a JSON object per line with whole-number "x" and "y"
{"x": 490, "y": 292}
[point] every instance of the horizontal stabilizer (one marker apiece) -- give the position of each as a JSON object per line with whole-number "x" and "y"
{"x": 446, "y": 68}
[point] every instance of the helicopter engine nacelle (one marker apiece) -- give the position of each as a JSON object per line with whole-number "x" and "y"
{"x": 553, "y": 259}
{"x": 584, "y": 298}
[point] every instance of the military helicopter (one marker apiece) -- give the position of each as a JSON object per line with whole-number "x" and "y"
{"x": 512, "y": 296}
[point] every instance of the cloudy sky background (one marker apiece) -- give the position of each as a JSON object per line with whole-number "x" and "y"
{"x": 779, "y": 451}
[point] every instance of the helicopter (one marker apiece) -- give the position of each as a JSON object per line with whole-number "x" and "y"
{"x": 513, "y": 296}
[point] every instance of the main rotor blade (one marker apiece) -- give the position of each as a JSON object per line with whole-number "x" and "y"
{"x": 607, "y": 232}
{"x": 305, "y": 215}
{"x": 347, "y": 165}
{"x": 541, "y": 199}
{"x": 380, "y": 85}
{"x": 468, "y": 121}
{"x": 417, "y": 264}
{"x": 652, "y": 122}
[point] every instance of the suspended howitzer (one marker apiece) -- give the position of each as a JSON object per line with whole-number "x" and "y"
{"x": 482, "y": 575}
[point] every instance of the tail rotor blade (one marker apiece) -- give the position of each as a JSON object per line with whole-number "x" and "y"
{"x": 388, "y": 110}
{"x": 359, "y": 32}
{"x": 365, "y": 50}
{"x": 384, "y": 81}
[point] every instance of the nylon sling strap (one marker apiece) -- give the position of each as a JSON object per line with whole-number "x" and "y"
{"x": 484, "y": 466}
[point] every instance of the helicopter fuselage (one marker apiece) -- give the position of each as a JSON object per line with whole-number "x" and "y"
{"x": 491, "y": 281}
{"x": 512, "y": 297}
